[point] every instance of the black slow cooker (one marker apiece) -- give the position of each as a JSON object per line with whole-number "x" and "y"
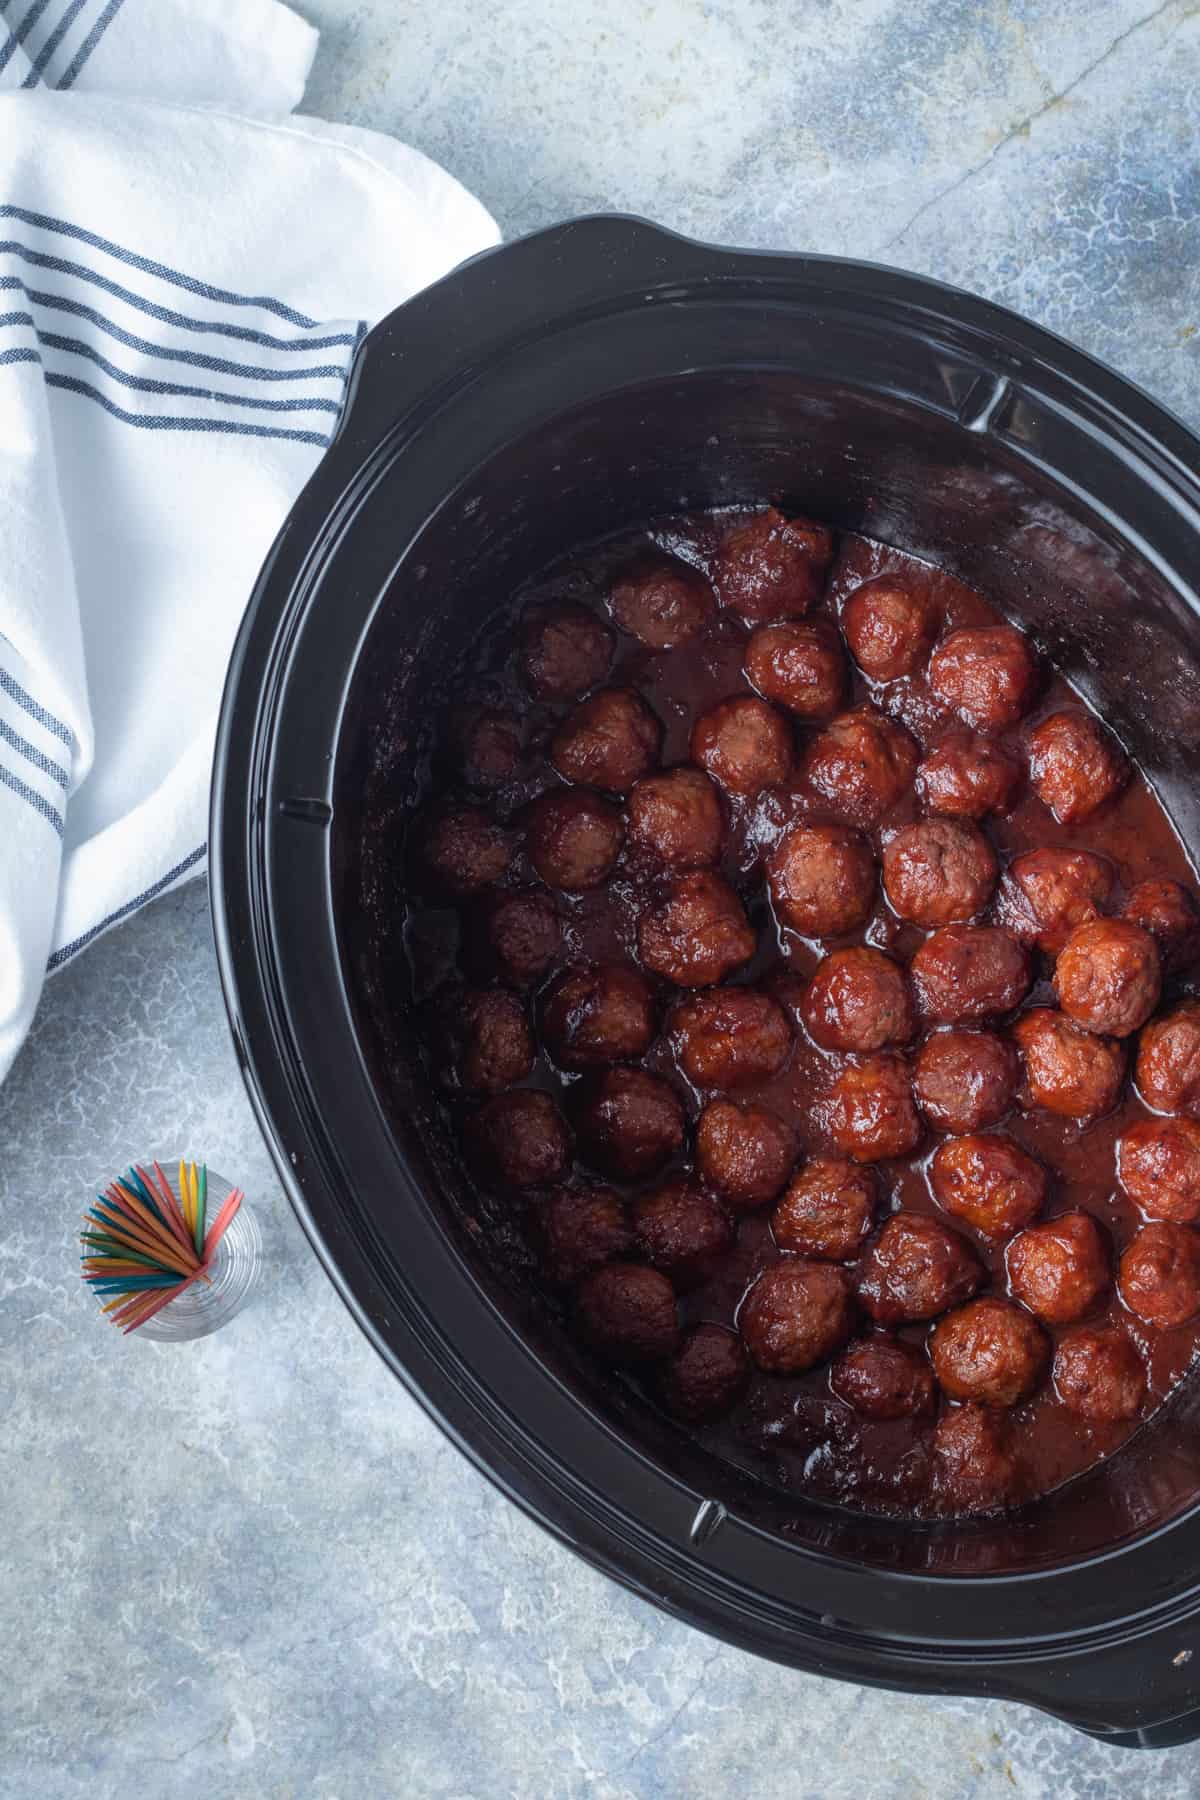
{"x": 551, "y": 392}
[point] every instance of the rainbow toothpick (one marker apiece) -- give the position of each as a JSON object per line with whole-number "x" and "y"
{"x": 142, "y": 1245}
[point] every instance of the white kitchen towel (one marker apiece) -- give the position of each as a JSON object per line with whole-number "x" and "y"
{"x": 186, "y": 270}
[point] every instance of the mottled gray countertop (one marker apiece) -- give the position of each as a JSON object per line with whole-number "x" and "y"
{"x": 250, "y": 1567}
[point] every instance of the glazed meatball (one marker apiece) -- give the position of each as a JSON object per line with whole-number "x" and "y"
{"x": 627, "y": 1313}
{"x": 1108, "y": 977}
{"x": 1099, "y": 1375}
{"x": 487, "y": 1040}
{"x": 964, "y": 1080}
{"x": 1168, "y": 911}
{"x": 662, "y": 603}
{"x": 989, "y": 1183}
{"x": 871, "y": 1111}
{"x": 858, "y": 1000}
{"x": 630, "y": 1123}
{"x": 1168, "y": 1061}
{"x": 1075, "y": 766}
{"x": 989, "y": 1351}
{"x": 938, "y": 871}
{"x": 565, "y": 650}
{"x": 1068, "y": 1071}
{"x": 578, "y": 1229}
{"x": 1159, "y": 1276}
{"x": 729, "y": 1037}
{"x": 675, "y": 819}
{"x": 1060, "y": 1269}
{"x": 890, "y": 623}
{"x": 827, "y": 1211}
{"x": 683, "y": 1231}
{"x": 697, "y": 931}
{"x": 882, "y": 1378}
{"x": 1158, "y": 1165}
{"x": 1047, "y": 893}
{"x": 744, "y": 1152}
{"x": 986, "y": 674}
{"x": 799, "y": 667}
{"x": 518, "y": 935}
{"x": 861, "y": 765}
{"x": 974, "y": 1467}
{"x": 967, "y": 972}
{"x": 486, "y": 745}
{"x": 744, "y": 744}
{"x": 706, "y": 1376}
{"x": 772, "y": 567}
{"x": 573, "y": 838}
{"x": 463, "y": 850}
{"x": 521, "y": 1139}
{"x": 965, "y": 776}
{"x": 609, "y": 741}
{"x": 598, "y": 1014}
{"x": 821, "y": 879}
{"x": 796, "y": 1314}
{"x": 917, "y": 1268}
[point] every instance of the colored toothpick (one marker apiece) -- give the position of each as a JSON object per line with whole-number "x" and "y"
{"x": 142, "y": 1244}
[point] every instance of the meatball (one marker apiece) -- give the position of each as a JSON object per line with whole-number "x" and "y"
{"x": 796, "y": 1314}
{"x": 675, "y": 819}
{"x": 1068, "y": 1071}
{"x": 890, "y": 623}
{"x": 1159, "y": 1275}
{"x": 573, "y": 838}
{"x": 521, "y": 1139}
{"x": 858, "y": 1000}
{"x": 630, "y": 1123}
{"x": 1158, "y": 1165}
{"x": 989, "y": 1351}
{"x": 486, "y": 745}
{"x": 706, "y": 1375}
{"x": 697, "y": 932}
{"x": 1168, "y": 911}
{"x": 627, "y": 1313}
{"x": 683, "y": 1231}
{"x": 487, "y": 1040}
{"x": 772, "y": 567}
{"x": 1047, "y": 893}
{"x": 938, "y": 871}
{"x": 917, "y": 1268}
{"x": 1168, "y": 1061}
{"x": 1075, "y": 766}
{"x": 882, "y": 1378}
{"x": 986, "y": 674}
{"x": 610, "y": 740}
{"x": 974, "y": 1467}
{"x": 600, "y": 1014}
{"x": 1099, "y": 1375}
{"x": 964, "y": 1080}
{"x": 827, "y": 1211}
{"x": 565, "y": 650}
{"x": 1060, "y": 1269}
{"x": 578, "y": 1229}
{"x": 821, "y": 879}
{"x": 464, "y": 849}
{"x": 744, "y": 1152}
{"x": 800, "y": 667}
{"x": 989, "y": 1183}
{"x": 518, "y": 935}
{"x": 965, "y": 776}
{"x": 967, "y": 972}
{"x": 871, "y": 1111}
{"x": 861, "y": 765}
{"x": 662, "y": 603}
{"x": 1108, "y": 978}
{"x": 744, "y": 744}
{"x": 729, "y": 1037}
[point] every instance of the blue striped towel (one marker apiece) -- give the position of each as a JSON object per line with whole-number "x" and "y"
{"x": 186, "y": 267}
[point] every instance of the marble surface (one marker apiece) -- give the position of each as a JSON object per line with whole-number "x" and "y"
{"x": 250, "y": 1567}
